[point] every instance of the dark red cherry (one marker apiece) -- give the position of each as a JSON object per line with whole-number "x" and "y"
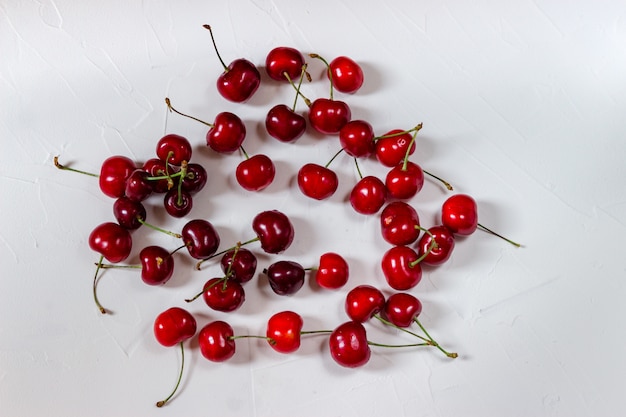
{"x": 255, "y": 173}
{"x": 404, "y": 181}
{"x": 138, "y": 187}
{"x": 195, "y": 179}
{"x": 284, "y": 59}
{"x": 274, "y": 230}
{"x": 285, "y": 277}
{"x": 157, "y": 265}
{"x": 317, "y": 181}
{"x": 113, "y": 174}
{"x": 239, "y": 265}
{"x": 173, "y": 149}
{"x": 173, "y": 326}
{"x": 357, "y": 138}
{"x": 347, "y": 75}
{"x": 436, "y": 255}
{"x": 227, "y": 134}
{"x": 363, "y": 302}
{"x": 399, "y": 223}
{"x": 459, "y": 213}
{"x": 402, "y": 309}
{"x": 368, "y": 195}
{"x": 177, "y": 203}
{"x": 283, "y": 331}
{"x": 128, "y": 213}
{"x": 216, "y": 341}
{"x": 156, "y": 168}
{"x": 284, "y": 124}
{"x": 349, "y": 346}
{"x": 332, "y": 272}
{"x": 224, "y": 295}
{"x": 328, "y": 116}
{"x": 111, "y": 241}
{"x": 200, "y": 238}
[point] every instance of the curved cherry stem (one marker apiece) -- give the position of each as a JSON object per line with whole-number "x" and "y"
{"x": 432, "y": 246}
{"x": 330, "y": 75}
{"x": 444, "y": 182}
{"x": 243, "y": 151}
{"x": 158, "y": 229}
{"x": 66, "y": 168}
{"x": 95, "y": 284}
{"x": 393, "y": 135}
{"x": 180, "y": 377}
{"x": 213, "y": 284}
{"x": 485, "y": 229}
{"x": 388, "y": 323}
{"x": 333, "y": 158}
{"x": 171, "y": 108}
{"x": 408, "y": 149}
{"x": 358, "y": 168}
{"x": 208, "y": 27}
{"x": 434, "y": 343}
{"x": 239, "y": 244}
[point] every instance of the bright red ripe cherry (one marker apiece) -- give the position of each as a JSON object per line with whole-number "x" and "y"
{"x": 459, "y": 213}
{"x": 404, "y": 180}
{"x": 284, "y": 124}
{"x": 317, "y": 181}
{"x": 240, "y": 79}
{"x": 223, "y": 294}
{"x": 200, "y": 238}
{"x": 349, "y": 346}
{"x": 283, "y": 331}
{"x": 239, "y": 265}
{"x": 217, "y": 342}
{"x": 436, "y": 255}
{"x": 332, "y": 272}
{"x": 328, "y": 116}
{"x": 157, "y": 265}
{"x": 113, "y": 174}
{"x": 255, "y": 173}
{"x": 177, "y": 203}
{"x": 357, "y": 138}
{"x": 274, "y": 230}
{"x": 399, "y": 223}
{"x": 391, "y": 148}
{"x": 401, "y": 268}
{"x": 401, "y": 309}
{"x": 285, "y": 277}
{"x": 368, "y": 195}
{"x": 284, "y": 59}
{"x": 363, "y": 302}
{"x": 129, "y": 214}
{"x": 173, "y": 326}
{"x": 346, "y": 74}
{"x": 112, "y": 241}
{"x": 173, "y": 149}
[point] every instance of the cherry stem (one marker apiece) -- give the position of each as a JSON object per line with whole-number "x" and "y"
{"x": 330, "y": 75}
{"x": 408, "y": 149}
{"x": 485, "y": 229}
{"x": 66, "y": 168}
{"x": 358, "y": 168}
{"x": 239, "y": 244}
{"x": 117, "y": 266}
{"x": 434, "y": 343}
{"x": 393, "y": 135}
{"x": 180, "y": 377}
{"x": 369, "y": 342}
{"x": 444, "y": 182}
{"x": 208, "y": 27}
{"x": 432, "y": 246}
{"x": 183, "y": 170}
{"x": 388, "y": 323}
{"x": 333, "y": 158}
{"x": 158, "y": 229}
{"x": 213, "y": 284}
{"x": 295, "y": 101}
{"x": 171, "y": 108}
{"x": 245, "y": 154}
{"x": 95, "y": 282}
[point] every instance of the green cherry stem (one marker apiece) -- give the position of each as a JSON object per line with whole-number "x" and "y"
{"x": 330, "y": 75}
{"x": 408, "y": 149}
{"x": 358, "y": 168}
{"x": 485, "y": 229}
{"x": 333, "y": 158}
{"x": 95, "y": 285}
{"x": 66, "y": 168}
{"x": 238, "y": 245}
{"x": 434, "y": 343}
{"x": 432, "y": 246}
{"x": 180, "y": 377}
{"x": 302, "y": 74}
{"x": 404, "y": 132}
{"x": 158, "y": 229}
{"x": 388, "y": 323}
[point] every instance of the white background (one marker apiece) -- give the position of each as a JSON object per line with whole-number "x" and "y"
{"x": 523, "y": 105}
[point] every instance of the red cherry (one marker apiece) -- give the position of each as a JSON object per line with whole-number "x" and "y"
{"x": 317, "y": 181}
{"x": 283, "y": 331}
{"x": 274, "y": 230}
{"x": 129, "y": 214}
{"x": 284, "y": 59}
{"x": 328, "y": 116}
{"x": 227, "y": 134}
{"x": 173, "y": 326}
{"x": 285, "y": 277}
{"x": 195, "y": 179}
{"x": 404, "y": 181}
{"x": 173, "y": 149}
{"x": 402, "y": 309}
{"x": 217, "y": 342}
{"x": 332, "y": 272}
{"x": 284, "y": 124}
{"x": 177, "y": 203}
{"x": 357, "y": 138}
{"x": 391, "y": 148}
{"x": 156, "y": 168}
{"x": 111, "y": 241}
{"x": 349, "y": 346}
{"x": 224, "y": 295}
{"x": 399, "y": 223}
{"x": 256, "y": 172}
{"x": 436, "y": 255}
{"x": 239, "y": 265}
{"x": 138, "y": 187}
{"x": 459, "y": 213}
{"x": 401, "y": 268}
{"x": 347, "y": 75}
{"x": 368, "y": 195}
{"x": 363, "y": 302}
{"x": 200, "y": 238}
{"x": 157, "y": 265}
{"x": 113, "y": 174}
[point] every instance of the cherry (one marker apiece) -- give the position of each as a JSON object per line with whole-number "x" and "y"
{"x": 439, "y": 254}
{"x": 284, "y": 330}
{"x": 138, "y": 187}
{"x": 157, "y": 265}
{"x": 392, "y": 147}
{"x": 401, "y": 268}
{"x": 284, "y": 124}
{"x": 255, "y": 173}
{"x": 217, "y": 342}
{"x": 332, "y": 272}
{"x": 349, "y": 346}
{"x": 195, "y": 178}
{"x": 368, "y": 195}
{"x": 402, "y": 309}
{"x": 200, "y": 238}
{"x": 157, "y": 168}
{"x": 346, "y": 75}
{"x": 173, "y": 326}
{"x": 317, "y": 181}
{"x": 173, "y": 149}
{"x": 113, "y": 174}
{"x": 274, "y": 230}
{"x": 112, "y": 241}
{"x": 222, "y": 294}
{"x": 404, "y": 180}
{"x": 239, "y": 264}
{"x": 284, "y": 60}
{"x": 178, "y": 202}
{"x": 459, "y": 213}
{"x": 240, "y": 79}
{"x": 128, "y": 213}
{"x": 399, "y": 223}
{"x": 363, "y": 302}
{"x": 357, "y": 138}
{"x": 285, "y": 277}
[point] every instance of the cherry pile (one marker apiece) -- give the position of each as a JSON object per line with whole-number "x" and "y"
{"x": 173, "y": 176}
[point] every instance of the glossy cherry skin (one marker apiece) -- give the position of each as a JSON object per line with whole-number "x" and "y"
{"x": 363, "y": 302}
{"x": 223, "y": 294}
{"x": 368, "y": 195}
{"x": 402, "y": 309}
{"x": 128, "y": 213}
{"x": 113, "y": 174}
{"x": 138, "y": 187}
{"x": 284, "y": 59}
{"x": 216, "y": 341}
{"x": 285, "y": 277}
{"x": 274, "y": 230}
{"x": 357, "y": 138}
{"x": 200, "y": 238}
{"x": 399, "y": 268}
{"x": 391, "y": 147}
{"x": 283, "y": 331}
{"x": 284, "y": 124}
{"x": 173, "y": 326}
{"x": 317, "y": 182}
{"x": 445, "y": 244}
{"x": 332, "y": 272}
{"x": 346, "y": 75}
{"x": 255, "y": 173}
{"x": 173, "y": 149}
{"x": 239, "y": 81}
{"x": 156, "y": 168}
{"x": 349, "y": 346}
{"x": 399, "y": 223}
{"x": 404, "y": 182}
{"x": 177, "y": 206}
{"x": 459, "y": 213}
{"x": 329, "y": 116}
{"x": 239, "y": 265}
{"x": 227, "y": 134}
{"x": 196, "y": 178}
{"x": 111, "y": 241}
{"x": 157, "y": 265}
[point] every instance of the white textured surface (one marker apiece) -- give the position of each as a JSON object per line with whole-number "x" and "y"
{"x": 523, "y": 105}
